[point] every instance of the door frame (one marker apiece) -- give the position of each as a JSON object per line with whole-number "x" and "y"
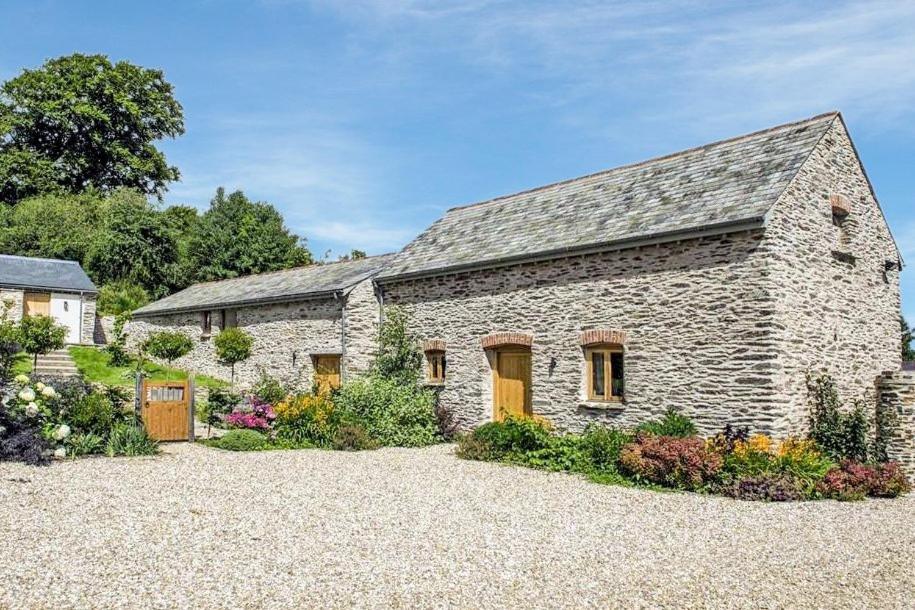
{"x": 528, "y": 409}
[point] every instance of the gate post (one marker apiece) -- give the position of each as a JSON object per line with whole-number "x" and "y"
{"x": 137, "y": 395}
{"x": 191, "y": 387}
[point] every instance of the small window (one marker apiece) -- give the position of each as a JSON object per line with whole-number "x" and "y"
{"x": 229, "y": 318}
{"x": 605, "y": 372}
{"x": 206, "y": 323}
{"x": 436, "y": 371}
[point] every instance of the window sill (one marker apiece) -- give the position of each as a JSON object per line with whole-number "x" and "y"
{"x": 603, "y": 405}
{"x": 434, "y": 384}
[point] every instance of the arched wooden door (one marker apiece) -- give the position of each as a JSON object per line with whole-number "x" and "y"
{"x": 512, "y": 383}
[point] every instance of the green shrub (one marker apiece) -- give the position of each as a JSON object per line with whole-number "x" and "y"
{"x": 80, "y": 444}
{"x": 9, "y": 340}
{"x": 398, "y": 359}
{"x": 168, "y": 345}
{"x": 40, "y": 334}
{"x": 514, "y": 435}
{"x": 353, "y": 438}
{"x": 241, "y": 440}
{"x": 560, "y": 453}
{"x": 130, "y": 439}
{"x": 473, "y": 447}
{"x": 269, "y": 389}
{"x": 394, "y": 414}
{"x": 601, "y": 446}
{"x": 117, "y": 347}
{"x": 92, "y": 414}
{"x": 672, "y": 424}
{"x": 842, "y": 435}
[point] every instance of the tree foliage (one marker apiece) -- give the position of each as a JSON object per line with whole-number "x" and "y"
{"x": 9, "y": 340}
{"x": 238, "y": 237}
{"x": 399, "y": 358}
{"x": 81, "y": 122}
{"x": 134, "y": 245}
{"x": 168, "y": 345}
{"x": 233, "y": 345}
{"x": 39, "y": 335}
{"x": 120, "y": 297}
{"x": 52, "y": 226}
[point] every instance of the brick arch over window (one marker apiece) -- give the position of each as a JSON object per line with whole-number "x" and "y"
{"x": 841, "y": 205}
{"x": 496, "y": 340}
{"x": 433, "y": 345}
{"x": 605, "y": 336}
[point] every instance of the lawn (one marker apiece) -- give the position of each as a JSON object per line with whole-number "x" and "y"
{"x": 94, "y": 367}
{"x": 22, "y": 364}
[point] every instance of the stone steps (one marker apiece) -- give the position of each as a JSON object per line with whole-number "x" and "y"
{"x": 56, "y": 364}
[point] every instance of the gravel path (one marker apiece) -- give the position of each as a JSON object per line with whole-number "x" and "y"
{"x": 404, "y": 528}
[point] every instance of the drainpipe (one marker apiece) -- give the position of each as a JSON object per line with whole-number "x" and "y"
{"x": 337, "y": 297}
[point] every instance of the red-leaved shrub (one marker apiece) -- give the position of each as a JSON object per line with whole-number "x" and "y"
{"x": 684, "y": 463}
{"x": 853, "y": 481}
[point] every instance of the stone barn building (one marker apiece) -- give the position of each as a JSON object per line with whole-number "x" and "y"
{"x": 710, "y": 280}
{"x": 56, "y": 288}
{"x": 314, "y": 324}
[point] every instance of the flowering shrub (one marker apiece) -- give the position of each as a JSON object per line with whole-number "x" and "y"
{"x": 760, "y": 458}
{"x": 308, "y": 418}
{"x": 254, "y": 414}
{"x": 853, "y": 481}
{"x": 684, "y": 463}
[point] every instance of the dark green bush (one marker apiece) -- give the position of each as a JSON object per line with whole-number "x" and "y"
{"x": 672, "y": 424}
{"x": 80, "y": 444}
{"x": 92, "y": 414}
{"x": 353, "y": 438}
{"x": 269, "y": 389}
{"x": 394, "y": 414}
{"x": 515, "y": 435}
{"x": 841, "y": 435}
{"x": 472, "y": 447}
{"x": 241, "y": 440}
{"x": 601, "y": 446}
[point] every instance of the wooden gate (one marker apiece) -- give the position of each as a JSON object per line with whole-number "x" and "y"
{"x": 167, "y": 409}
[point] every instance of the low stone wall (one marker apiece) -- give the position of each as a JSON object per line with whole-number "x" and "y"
{"x": 897, "y": 403}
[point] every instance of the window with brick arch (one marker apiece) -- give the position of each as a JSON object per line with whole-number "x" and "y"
{"x": 436, "y": 367}
{"x": 605, "y": 371}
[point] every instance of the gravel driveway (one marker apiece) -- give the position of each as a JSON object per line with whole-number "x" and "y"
{"x": 403, "y": 528}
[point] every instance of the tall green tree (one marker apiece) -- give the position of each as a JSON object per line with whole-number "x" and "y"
{"x": 80, "y": 122}
{"x": 52, "y": 226}
{"x": 236, "y": 236}
{"x": 908, "y": 354}
{"x": 134, "y": 245}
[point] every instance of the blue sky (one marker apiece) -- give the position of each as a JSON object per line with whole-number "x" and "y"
{"x": 363, "y": 120}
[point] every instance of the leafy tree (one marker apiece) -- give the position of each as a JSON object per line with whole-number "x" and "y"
{"x": 120, "y": 297}
{"x": 168, "y": 345}
{"x": 9, "y": 341}
{"x": 134, "y": 245}
{"x": 117, "y": 347}
{"x": 81, "y": 122}
{"x": 233, "y": 345}
{"x": 908, "y": 354}
{"x": 39, "y": 335}
{"x": 399, "y": 358}
{"x": 52, "y": 226}
{"x": 238, "y": 237}
{"x": 353, "y": 255}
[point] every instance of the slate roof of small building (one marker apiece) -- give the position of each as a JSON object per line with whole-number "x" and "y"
{"x": 718, "y": 187}
{"x": 278, "y": 286}
{"x": 31, "y": 273}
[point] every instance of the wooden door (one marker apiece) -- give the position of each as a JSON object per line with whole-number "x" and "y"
{"x": 37, "y": 304}
{"x": 166, "y": 410}
{"x": 512, "y": 384}
{"x": 327, "y": 372}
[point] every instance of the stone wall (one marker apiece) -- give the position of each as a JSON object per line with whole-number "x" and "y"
{"x": 362, "y": 315}
{"x": 897, "y": 401}
{"x": 87, "y": 327}
{"x": 286, "y": 335}
{"x": 698, "y": 316}
{"x": 16, "y": 298}
{"x": 838, "y": 305}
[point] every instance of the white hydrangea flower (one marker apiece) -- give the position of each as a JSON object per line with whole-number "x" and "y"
{"x": 39, "y": 386}
{"x": 31, "y": 409}
{"x": 62, "y": 432}
{"x": 21, "y": 379}
{"x": 27, "y": 394}
{"x": 48, "y": 392}
{"x": 60, "y": 452}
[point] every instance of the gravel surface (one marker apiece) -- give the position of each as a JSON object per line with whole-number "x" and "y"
{"x": 404, "y": 528}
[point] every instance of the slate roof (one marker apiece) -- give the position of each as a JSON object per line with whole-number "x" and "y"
{"x": 300, "y": 283}
{"x": 719, "y": 187}
{"x": 43, "y": 273}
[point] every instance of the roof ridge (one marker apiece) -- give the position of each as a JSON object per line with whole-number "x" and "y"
{"x": 40, "y": 258}
{"x": 832, "y": 113}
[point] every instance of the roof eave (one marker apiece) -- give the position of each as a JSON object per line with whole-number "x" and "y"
{"x": 290, "y": 298}
{"x": 41, "y": 287}
{"x": 735, "y": 226}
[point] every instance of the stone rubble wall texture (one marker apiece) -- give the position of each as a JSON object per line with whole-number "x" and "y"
{"x": 722, "y": 328}
{"x": 16, "y": 298}
{"x": 832, "y": 315}
{"x": 305, "y": 327}
{"x": 897, "y": 400}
